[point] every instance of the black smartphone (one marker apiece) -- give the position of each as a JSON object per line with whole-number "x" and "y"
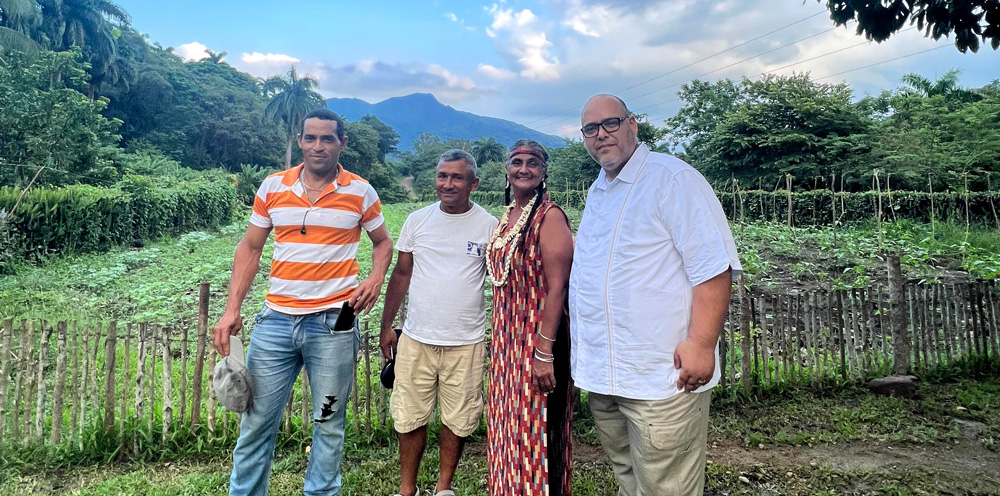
{"x": 345, "y": 321}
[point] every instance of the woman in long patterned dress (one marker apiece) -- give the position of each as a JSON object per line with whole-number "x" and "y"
{"x": 530, "y": 408}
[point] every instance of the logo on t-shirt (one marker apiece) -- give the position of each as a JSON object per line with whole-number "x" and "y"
{"x": 474, "y": 249}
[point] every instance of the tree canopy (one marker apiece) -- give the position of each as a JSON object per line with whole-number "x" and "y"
{"x": 969, "y": 20}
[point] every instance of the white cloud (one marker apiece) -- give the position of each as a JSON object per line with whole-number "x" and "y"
{"x": 192, "y": 52}
{"x": 495, "y": 72}
{"x": 451, "y": 80}
{"x": 505, "y": 19}
{"x": 586, "y": 20}
{"x": 257, "y": 58}
{"x": 452, "y": 17}
{"x": 522, "y": 40}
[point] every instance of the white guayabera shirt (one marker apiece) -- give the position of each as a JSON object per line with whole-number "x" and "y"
{"x": 645, "y": 240}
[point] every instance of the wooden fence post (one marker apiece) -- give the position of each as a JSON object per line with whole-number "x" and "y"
{"x": 74, "y": 412}
{"x": 110, "y": 343}
{"x": 5, "y": 359}
{"x": 199, "y": 360}
{"x": 151, "y": 373}
{"x": 92, "y": 387}
{"x": 140, "y": 372}
{"x": 168, "y": 407}
{"x": 368, "y": 379}
{"x": 127, "y": 371}
{"x": 185, "y": 343}
{"x": 791, "y": 206}
{"x": 15, "y": 424}
{"x": 991, "y": 303}
{"x": 60, "y": 388}
{"x": 29, "y": 390}
{"x": 840, "y": 330}
{"x": 211, "y": 392}
{"x": 43, "y": 360}
{"x": 897, "y": 316}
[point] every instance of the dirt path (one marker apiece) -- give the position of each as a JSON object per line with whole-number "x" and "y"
{"x": 407, "y": 184}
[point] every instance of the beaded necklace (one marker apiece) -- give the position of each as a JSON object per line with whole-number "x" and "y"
{"x": 503, "y": 242}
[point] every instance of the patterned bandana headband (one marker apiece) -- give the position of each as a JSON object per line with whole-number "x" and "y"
{"x": 525, "y": 150}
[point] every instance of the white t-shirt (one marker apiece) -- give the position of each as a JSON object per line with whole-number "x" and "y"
{"x": 446, "y": 306}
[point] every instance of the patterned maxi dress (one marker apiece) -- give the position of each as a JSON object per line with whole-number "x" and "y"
{"x": 529, "y": 445}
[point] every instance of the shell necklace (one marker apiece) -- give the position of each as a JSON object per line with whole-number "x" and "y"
{"x": 503, "y": 242}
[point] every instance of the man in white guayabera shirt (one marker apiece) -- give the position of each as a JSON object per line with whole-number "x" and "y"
{"x": 649, "y": 290}
{"x": 440, "y": 354}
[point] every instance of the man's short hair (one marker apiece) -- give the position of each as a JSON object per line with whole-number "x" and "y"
{"x": 456, "y": 154}
{"x": 326, "y": 115}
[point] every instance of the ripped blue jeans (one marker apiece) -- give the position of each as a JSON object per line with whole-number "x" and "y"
{"x": 279, "y": 347}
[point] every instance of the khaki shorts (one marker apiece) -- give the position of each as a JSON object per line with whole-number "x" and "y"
{"x": 453, "y": 375}
{"x": 656, "y": 447}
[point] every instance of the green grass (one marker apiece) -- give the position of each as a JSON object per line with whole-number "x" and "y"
{"x": 785, "y": 433}
{"x": 847, "y": 413}
{"x": 159, "y": 283}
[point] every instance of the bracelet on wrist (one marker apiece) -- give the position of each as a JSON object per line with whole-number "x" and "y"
{"x": 551, "y": 340}
{"x": 544, "y": 359}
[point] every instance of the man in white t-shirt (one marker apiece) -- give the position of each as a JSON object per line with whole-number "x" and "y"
{"x": 441, "y": 261}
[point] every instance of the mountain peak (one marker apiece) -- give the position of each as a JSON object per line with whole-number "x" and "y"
{"x": 418, "y": 113}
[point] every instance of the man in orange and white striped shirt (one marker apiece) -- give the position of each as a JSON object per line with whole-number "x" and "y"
{"x": 317, "y": 212}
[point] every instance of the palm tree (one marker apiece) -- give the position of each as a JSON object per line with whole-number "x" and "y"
{"x": 488, "y": 150}
{"x": 88, "y": 25}
{"x": 19, "y": 21}
{"x": 292, "y": 97}
{"x": 946, "y": 85}
{"x": 216, "y": 57}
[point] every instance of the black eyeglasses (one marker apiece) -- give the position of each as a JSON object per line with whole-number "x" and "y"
{"x": 610, "y": 125}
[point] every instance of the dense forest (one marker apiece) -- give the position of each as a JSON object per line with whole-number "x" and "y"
{"x": 85, "y": 98}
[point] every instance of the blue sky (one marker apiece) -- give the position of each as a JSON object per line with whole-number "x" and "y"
{"x": 535, "y": 62}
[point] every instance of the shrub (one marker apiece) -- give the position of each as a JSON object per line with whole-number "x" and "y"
{"x": 82, "y": 218}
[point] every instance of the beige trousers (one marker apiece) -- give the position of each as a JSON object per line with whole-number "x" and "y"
{"x": 657, "y": 448}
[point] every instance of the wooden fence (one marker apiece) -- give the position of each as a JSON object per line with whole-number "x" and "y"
{"x": 59, "y": 379}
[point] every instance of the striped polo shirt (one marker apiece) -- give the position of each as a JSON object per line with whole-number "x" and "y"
{"x": 317, "y": 270}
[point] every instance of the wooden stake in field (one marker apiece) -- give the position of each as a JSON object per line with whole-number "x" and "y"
{"x": 833, "y": 207}
{"x": 199, "y": 359}
{"x": 60, "y": 388}
{"x": 5, "y": 358}
{"x": 900, "y": 339}
{"x": 110, "y": 343}
{"x": 43, "y": 360}
{"x": 930, "y": 189}
{"x": 127, "y": 370}
{"x": 791, "y": 205}
{"x": 75, "y": 381}
{"x": 185, "y": 345}
{"x": 15, "y": 424}
{"x": 92, "y": 389}
{"x": 140, "y": 372}
{"x": 29, "y": 391}
{"x": 168, "y": 406}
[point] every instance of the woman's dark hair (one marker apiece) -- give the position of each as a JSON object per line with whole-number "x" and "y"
{"x": 541, "y": 190}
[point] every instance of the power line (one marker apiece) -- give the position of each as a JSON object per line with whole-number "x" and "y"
{"x": 856, "y": 68}
{"x": 711, "y": 72}
{"x": 883, "y": 62}
{"x": 740, "y": 61}
{"x": 810, "y": 59}
{"x": 685, "y": 66}
{"x": 724, "y": 51}
{"x": 790, "y": 65}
